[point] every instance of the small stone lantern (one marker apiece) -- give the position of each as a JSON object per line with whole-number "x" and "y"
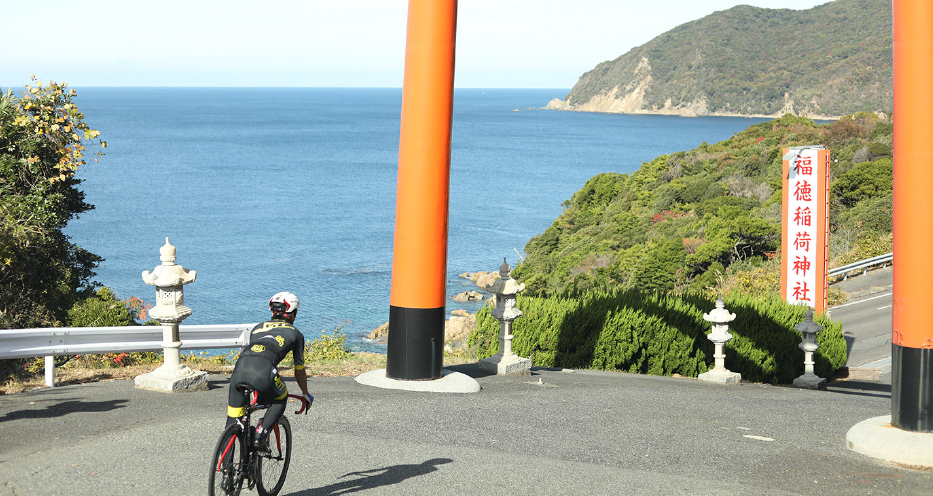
{"x": 809, "y": 330}
{"x": 506, "y": 290}
{"x": 170, "y": 310}
{"x": 720, "y": 318}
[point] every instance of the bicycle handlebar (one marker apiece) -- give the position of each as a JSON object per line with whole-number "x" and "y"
{"x": 305, "y": 404}
{"x": 254, "y": 399}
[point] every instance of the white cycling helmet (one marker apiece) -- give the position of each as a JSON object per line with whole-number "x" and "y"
{"x": 283, "y": 302}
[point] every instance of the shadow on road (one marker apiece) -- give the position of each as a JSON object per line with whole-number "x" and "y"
{"x": 863, "y": 388}
{"x": 378, "y": 477}
{"x": 64, "y": 408}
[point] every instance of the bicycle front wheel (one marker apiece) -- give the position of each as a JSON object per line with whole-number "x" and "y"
{"x": 271, "y": 467}
{"x": 226, "y": 477}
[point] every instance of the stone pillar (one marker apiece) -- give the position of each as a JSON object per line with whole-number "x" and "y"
{"x": 720, "y": 318}
{"x": 506, "y": 290}
{"x": 808, "y": 329}
{"x": 170, "y": 310}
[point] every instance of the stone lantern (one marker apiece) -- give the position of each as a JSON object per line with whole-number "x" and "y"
{"x": 506, "y": 290}
{"x": 170, "y": 310}
{"x": 808, "y": 344}
{"x": 720, "y": 318}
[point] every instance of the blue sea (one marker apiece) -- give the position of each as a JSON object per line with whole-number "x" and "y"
{"x": 285, "y": 189}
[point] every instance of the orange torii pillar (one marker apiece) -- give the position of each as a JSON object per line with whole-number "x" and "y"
{"x": 419, "y": 262}
{"x": 912, "y": 326}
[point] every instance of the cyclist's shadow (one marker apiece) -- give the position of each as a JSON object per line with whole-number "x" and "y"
{"x": 378, "y": 477}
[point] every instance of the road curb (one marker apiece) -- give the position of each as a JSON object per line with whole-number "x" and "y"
{"x": 877, "y": 438}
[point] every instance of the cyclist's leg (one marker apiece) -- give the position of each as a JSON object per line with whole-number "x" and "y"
{"x": 277, "y": 398}
{"x": 236, "y": 400}
{"x": 271, "y": 467}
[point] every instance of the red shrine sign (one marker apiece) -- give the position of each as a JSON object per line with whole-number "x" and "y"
{"x": 805, "y": 226}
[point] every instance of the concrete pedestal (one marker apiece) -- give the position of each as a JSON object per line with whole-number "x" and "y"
{"x": 173, "y": 381}
{"x": 721, "y": 377}
{"x": 510, "y": 365}
{"x": 810, "y": 381}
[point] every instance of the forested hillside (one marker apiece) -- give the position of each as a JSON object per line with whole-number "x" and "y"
{"x": 690, "y": 220}
{"x": 831, "y": 60}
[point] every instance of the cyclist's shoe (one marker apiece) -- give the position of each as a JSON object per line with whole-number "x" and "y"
{"x": 262, "y": 443}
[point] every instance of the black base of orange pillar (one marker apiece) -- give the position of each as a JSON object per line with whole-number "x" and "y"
{"x": 912, "y": 388}
{"x": 415, "y": 350}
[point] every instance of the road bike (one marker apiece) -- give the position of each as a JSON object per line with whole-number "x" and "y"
{"x": 236, "y": 459}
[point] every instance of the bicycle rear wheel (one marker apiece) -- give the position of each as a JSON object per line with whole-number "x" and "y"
{"x": 226, "y": 477}
{"x": 271, "y": 467}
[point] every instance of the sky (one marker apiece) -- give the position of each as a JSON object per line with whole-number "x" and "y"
{"x": 332, "y": 43}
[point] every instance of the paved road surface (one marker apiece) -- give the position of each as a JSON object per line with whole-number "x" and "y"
{"x": 866, "y": 319}
{"x": 552, "y": 433}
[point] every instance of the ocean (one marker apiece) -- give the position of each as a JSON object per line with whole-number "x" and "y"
{"x": 293, "y": 189}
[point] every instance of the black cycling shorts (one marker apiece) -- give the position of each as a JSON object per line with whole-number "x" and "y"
{"x": 260, "y": 374}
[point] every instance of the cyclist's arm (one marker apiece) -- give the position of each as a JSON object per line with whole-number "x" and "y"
{"x": 298, "y": 357}
{"x": 301, "y": 377}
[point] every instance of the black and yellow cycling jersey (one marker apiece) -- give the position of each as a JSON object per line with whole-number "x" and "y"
{"x": 269, "y": 343}
{"x": 274, "y": 340}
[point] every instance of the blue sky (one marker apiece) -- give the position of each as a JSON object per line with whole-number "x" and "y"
{"x": 351, "y": 43}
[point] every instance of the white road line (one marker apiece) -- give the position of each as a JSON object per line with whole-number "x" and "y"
{"x": 887, "y": 306}
{"x": 862, "y": 301}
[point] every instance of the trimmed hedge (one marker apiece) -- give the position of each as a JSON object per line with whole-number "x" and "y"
{"x": 661, "y": 335}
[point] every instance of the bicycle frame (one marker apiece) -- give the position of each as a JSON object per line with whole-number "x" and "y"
{"x": 246, "y": 432}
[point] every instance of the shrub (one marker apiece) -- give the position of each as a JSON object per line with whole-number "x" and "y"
{"x": 105, "y": 309}
{"x": 864, "y": 181}
{"x": 656, "y": 334}
{"x": 327, "y": 347}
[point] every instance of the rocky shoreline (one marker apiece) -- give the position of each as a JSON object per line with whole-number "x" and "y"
{"x": 461, "y": 323}
{"x": 609, "y": 107}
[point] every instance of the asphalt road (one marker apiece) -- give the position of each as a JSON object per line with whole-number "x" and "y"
{"x": 552, "y": 433}
{"x": 866, "y": 320}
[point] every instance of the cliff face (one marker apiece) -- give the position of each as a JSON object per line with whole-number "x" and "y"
{"x": 824, "y": 62}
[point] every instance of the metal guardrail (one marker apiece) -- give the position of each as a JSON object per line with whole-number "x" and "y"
{"x": 52, "y": 341}
{"x": 862, "y": 265}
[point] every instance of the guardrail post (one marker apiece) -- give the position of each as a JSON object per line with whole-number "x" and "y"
{"x": 170, "y": 310}
{"x": 50, "y": 370}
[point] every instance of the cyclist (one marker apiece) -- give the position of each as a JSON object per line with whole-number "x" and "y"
{"x": 269, "y": 342}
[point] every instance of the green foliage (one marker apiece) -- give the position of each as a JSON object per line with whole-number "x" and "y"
{"x": 328, "y": 347}
{"x": 864, "y": 181}
{"x": 105, "y": 309}
{"x": 42, "y": 274}
{"x": 650, "y": 333}
{"x": 833, "y": 59}
{"x": 205, "y": 357}
{"x": 684, "y": 219}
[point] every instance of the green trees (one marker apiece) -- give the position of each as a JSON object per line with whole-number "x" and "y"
{"x": 42, "y": 144}
{"x": 833, "y": 59}
{"x": 864, "y": 181}
{"x": 685, "y": 220}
